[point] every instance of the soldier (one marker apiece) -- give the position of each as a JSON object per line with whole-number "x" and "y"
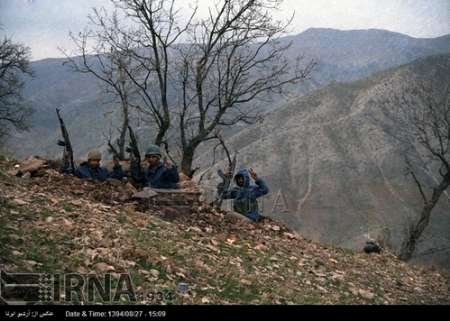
{"x": 245, "y": 194}
{"x": 91, "y": 169}
{"x": 158, "y": 174}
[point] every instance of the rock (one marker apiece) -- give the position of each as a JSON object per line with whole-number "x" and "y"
{"x": 142, "y": 271}
{"x": 366, "y": 294}
{"x": 194, "y": 228}
{"x": 20, "y": 201}
{"x": 146, "y": 193}
{"x": 30, "y": 263}
{"x": 32, "y": 165}
{"x": 103, "y": 267}
{"x": 76, "y": 202}
{"x": 319, "y": 274}
{"x": 154, "y": 273}
{"x": 290, "y": 235}
{"x": 338, "y": 277}
{"x": 321, "y": 289}
{"x": 78, "y": 192}
{"x": 67, "y": 222}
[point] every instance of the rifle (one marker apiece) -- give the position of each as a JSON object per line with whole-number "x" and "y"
{"x": 113, "y": 151}
{"x": 226, "y": 181}
{"x": 135, "y": 155}
{"x": 68, "y": 151}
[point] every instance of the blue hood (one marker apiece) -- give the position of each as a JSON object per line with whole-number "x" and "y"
{"x": 243, "y": 173}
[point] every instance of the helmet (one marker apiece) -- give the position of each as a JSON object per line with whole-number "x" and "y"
{"x": 153, "y": 150}
{"x": 94, "y": 154}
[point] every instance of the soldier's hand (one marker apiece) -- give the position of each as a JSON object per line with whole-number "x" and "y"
{"x": 253, "y": 174}
{"x": 66, "y": 155}
{"x": 228, "y": 173}
{"x": 167, "y": 163}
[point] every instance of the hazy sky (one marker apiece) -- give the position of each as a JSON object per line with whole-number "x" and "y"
{"x": 44, "y": 24}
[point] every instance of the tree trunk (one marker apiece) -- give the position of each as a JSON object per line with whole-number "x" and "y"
{"x": 188, "y": 158}
{"x": 123, "y": 131}
{"x": 409, "y": 245}
{"x": 160, "y": 137}
{"x": 162, "y": 130}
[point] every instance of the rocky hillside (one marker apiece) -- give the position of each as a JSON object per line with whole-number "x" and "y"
{"x": 335, "y": 175}
{"x": 340, "y": 56}
{"x": 56, "y": 224}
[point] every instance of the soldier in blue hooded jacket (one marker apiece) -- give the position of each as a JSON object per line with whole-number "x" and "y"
{"x": 244, "y": 195}
{"x": 158, "y": 174}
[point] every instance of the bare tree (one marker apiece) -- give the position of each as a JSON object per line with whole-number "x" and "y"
{"x": 14, "y": 65}
{"x": 231, "y": 59}
{"x": 234, "y": 59}
{"x": 111, "y": 64}
{"x": 420, "y": 120}
{"x": 159, "y": 29}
